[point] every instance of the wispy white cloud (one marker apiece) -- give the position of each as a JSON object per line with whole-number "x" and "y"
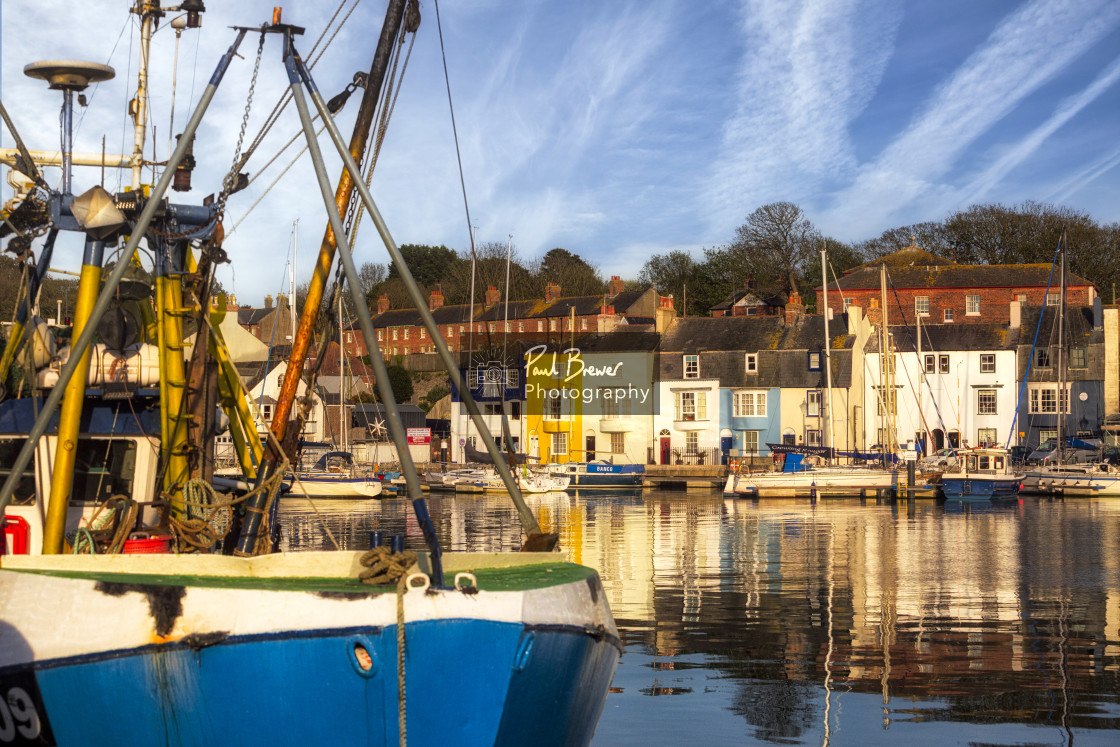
{"x": 626, "y": 129}
{"x": 981, "y": 186}
{"x": 1016, "y": 60}
{"x": 808, "y": 69}
{"x": 1086, "y": 176}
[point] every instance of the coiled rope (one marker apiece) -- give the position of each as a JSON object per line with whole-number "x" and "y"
{"x": 383, "y": 566}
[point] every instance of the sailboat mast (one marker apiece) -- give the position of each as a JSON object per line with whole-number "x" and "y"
{"x": 921, "y": 377}
{"x": 827, "y": 354}
{"x": 885, "y": 362}
{"x": 1061, "y": 365}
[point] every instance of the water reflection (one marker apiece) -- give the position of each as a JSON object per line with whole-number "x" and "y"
{"x": 841, "y": 621}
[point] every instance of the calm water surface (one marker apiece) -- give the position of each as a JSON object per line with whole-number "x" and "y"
{"x": 841, "y": 622}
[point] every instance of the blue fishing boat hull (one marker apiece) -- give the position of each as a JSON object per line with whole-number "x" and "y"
{"x": 979, "y": 487}
{"x": 292, "y": 649}
{"x": 594, "y": 476}
{"x": 467, "y": 682}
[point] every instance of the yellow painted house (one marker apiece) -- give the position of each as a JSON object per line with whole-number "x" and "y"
{"x": 554, "y": 407}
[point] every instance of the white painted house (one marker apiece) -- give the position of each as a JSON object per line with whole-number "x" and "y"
{"x": 964, "y": 378}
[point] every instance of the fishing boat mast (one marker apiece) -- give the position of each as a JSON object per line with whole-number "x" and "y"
{"x": 302, "y": 336}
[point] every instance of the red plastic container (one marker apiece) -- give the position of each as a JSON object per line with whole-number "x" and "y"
{"x": 147, "y": 545}
{"x": 14, "y": 538}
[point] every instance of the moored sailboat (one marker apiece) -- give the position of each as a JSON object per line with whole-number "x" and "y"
{"x": 798, "y": 478}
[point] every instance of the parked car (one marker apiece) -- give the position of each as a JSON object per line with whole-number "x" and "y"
{"x": 939, "y": 459}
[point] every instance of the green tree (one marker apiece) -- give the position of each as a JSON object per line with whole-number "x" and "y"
{"x": 574, "y": 276}
{"x": 426, "y": 263}
{"x": 401, "y": 381}
{"x": 489, "y": 269}
{"x": 670, "y": 274}
{"x": 434, "y": 395}
{"x": 930, "y": 236}
{"x": 841, "y": 257}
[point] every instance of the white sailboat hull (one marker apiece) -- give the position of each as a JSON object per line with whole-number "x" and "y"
{"x": 824, "y": 481}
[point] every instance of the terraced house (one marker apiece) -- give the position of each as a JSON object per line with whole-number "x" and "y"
{"x": 552, "y": 319}
{"x": 942, "y": 291}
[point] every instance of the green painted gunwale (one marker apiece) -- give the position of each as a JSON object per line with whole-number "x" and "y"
{"x": 510, "y": 578}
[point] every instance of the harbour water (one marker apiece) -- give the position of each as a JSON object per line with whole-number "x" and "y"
{"x": 841, "y": 622}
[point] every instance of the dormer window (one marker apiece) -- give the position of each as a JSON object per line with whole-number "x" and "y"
{"x": 814, "y": 360}
{"x": 692, "y": 367}
{"x": 752, "y": 363}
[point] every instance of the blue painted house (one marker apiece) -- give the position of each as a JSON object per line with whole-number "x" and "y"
{"x": 1042, "y": 375}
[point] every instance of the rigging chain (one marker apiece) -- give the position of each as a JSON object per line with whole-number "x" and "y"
{"x": 231, "y": 178}
{"x": 286, "y": 97}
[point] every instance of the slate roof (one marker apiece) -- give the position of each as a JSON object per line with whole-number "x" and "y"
{"x": 783, "y": 350}
{"x": 1078, "y": 326}
{"x": 915, "y": 268}
{"x": 950, "y": 337}
{"x": 741, "y": 333}
{"x": 620, "y": 341}
{"x": 955, "y": 276}
{"x": 518, "y": 310}
{"x": 247, "y": 317}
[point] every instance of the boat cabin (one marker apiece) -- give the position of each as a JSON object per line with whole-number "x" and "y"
{"x": 117, "y": 454}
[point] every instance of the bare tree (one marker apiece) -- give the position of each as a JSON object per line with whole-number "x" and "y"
{"x": 777, "y": 239}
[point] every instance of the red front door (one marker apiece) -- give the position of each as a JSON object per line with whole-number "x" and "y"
{"x": 665, "y": 449}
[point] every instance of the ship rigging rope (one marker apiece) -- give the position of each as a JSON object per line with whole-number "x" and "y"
{"x": 402, "y": 647}
{"x": 383, "y": 124}
{"x": 458, "y": 155}
{"x": 388, "y": 105}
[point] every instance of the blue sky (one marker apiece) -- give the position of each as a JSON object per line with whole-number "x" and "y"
{"x": 624, "y": 129}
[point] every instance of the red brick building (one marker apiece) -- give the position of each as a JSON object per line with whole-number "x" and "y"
{"x": 553, "y": 318}
{"x": 945, "y": 292}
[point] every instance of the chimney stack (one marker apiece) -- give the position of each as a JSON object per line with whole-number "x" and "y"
{"x": 492, "y": 295}
{"x": 435, "y": 300}
{"x": 616, "y": 286}
{"x": 551, "y": 292}
{"x": 382, "y": 304}
{"x": 268, "y": 301}
{"x": 794, "y": 308}
{"x": 874, "y": 313}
